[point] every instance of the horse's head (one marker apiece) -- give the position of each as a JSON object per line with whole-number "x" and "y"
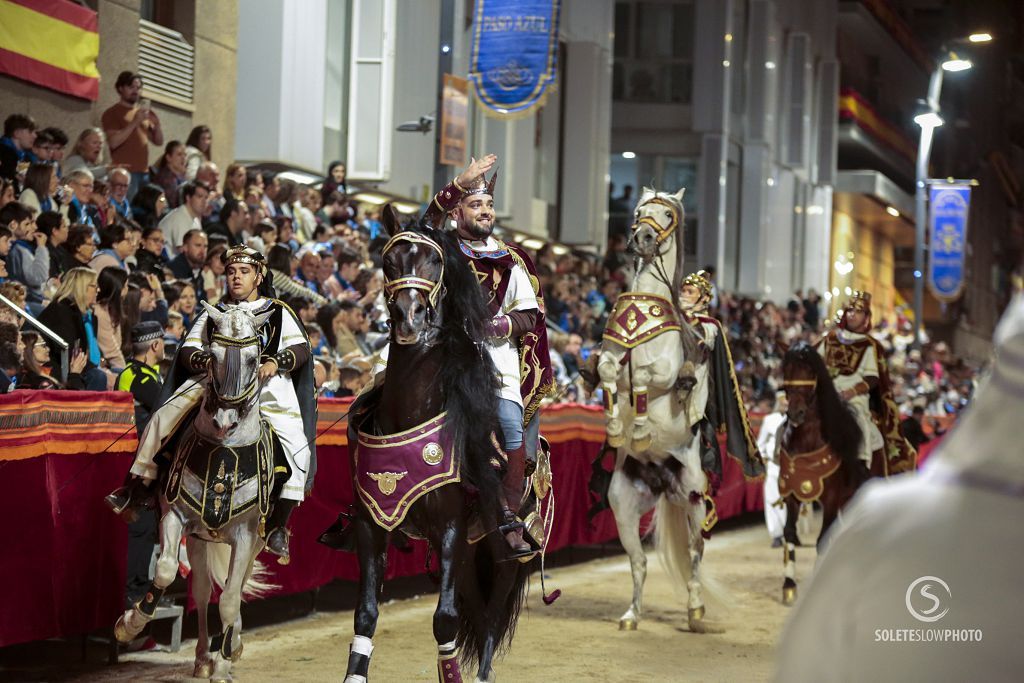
{"x": 802, "y": 370}
{"x": 235, "y": 346}
{"x": 657, "y": 217}
{"x": 413, "y": 282}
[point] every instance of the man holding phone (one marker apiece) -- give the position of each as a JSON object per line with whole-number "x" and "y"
{"x": 131, "y": 126}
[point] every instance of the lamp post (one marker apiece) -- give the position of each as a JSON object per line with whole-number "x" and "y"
{"x": 929, "y": 120}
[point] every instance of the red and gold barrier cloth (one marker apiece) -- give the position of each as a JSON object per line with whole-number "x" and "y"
{"x": 52, "y": 43}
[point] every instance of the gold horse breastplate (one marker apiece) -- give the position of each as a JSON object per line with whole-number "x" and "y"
{"x": 638, "y": 318}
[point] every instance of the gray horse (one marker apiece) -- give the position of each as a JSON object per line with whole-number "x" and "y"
{"x": 218, "y": 494}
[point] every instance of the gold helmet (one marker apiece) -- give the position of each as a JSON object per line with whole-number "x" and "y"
{"x": 244, "y": 254}
{"x": 702, "y": 281}
{"x": 482, "y": 186}
{"x": 859, "y": 301}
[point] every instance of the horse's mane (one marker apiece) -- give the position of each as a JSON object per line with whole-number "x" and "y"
{"x": 838, "y": 426}
{"x": 468, "y": 376}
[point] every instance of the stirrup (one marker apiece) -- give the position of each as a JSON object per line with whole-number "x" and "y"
{"x": 515, "y": 525}
{"x": 283, "y": 554}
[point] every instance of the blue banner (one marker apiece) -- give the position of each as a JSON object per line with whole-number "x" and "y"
{"x": 515, "y": 51}
{"x": 949, "y": 205}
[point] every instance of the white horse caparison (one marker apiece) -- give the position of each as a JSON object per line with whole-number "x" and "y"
{"x": 227, "y": 555}
{"x": 650, "y": 415}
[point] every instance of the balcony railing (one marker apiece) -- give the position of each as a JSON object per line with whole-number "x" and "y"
{"x": 853, "y": 108}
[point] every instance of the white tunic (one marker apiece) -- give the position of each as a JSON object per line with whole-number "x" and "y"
{"x": 860, "y": 405}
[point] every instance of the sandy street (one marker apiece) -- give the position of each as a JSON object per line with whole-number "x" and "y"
{"x": 576, "y": 639}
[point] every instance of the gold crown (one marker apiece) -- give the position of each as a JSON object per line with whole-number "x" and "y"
{"x": 482, "y": 186}
{"x": 859, "y": 301}
{"x": 244, "y": 254}
{"x": 701, "y": 281}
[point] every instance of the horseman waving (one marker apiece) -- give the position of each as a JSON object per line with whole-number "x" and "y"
{"x": 287, "y": 397}
{"x": 519, "y": 343}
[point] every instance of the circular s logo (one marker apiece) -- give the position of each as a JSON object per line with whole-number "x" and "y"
{"x": 927, "y": 599}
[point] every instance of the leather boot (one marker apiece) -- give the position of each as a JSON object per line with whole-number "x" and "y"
{"x": 136, "y": 493}
{"x": 512, "y": 489}
{"x": 277, "y": 539}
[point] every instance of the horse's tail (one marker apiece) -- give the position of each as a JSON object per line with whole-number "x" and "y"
{"x": 672, "y": 540}
{"x": 484, "y": 576}
{"x": 218, "y": 562}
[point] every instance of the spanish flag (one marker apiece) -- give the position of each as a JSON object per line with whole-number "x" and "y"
{"x": 53, "y": 43}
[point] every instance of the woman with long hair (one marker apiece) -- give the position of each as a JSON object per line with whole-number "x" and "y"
{"x": 35, "y": 364}
{"x": 198, "y": 148}
{"x": 113, "y": 285}
{"x": 149, "y": 205}
{"x": 70, "y": 317}
{"x": 6, "y": 192}
{"x": 40, "y": 190}
{"x": 88, "y": 153}
{"x": 214, "y": 281}
{"x": 169, "y": 171}
{"x": 234, "y": 182}
{"x": 185, "y": 301}
{"x": 335, "y": 181}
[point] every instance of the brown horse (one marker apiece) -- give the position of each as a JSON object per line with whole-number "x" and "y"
{"x": 424, "y": 457}
{"x": 817, "y": 452}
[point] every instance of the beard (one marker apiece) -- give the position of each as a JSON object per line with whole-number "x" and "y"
{"x": 476, "y": 231}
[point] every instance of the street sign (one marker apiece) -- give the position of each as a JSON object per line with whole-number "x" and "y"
{"x": 949, "y": 205}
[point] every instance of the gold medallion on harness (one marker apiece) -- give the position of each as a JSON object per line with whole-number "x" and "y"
{"x": 218, "y": 487}
{"x": 656, "y": 311}
{"x": 433, "y": 453}
{"x": 387, "y": 482}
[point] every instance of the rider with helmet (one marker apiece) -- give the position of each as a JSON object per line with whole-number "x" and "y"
{"x": 287, "y": 394}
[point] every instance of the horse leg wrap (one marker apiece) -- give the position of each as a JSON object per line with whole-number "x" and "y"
{"x": 147, "y": 606}
{"x": 448, "y": 663}
{"x": 222, "y": 643}
{"x": 359, "y": 660}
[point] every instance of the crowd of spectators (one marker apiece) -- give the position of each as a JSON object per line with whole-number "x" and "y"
{"x": 99, "y": 240}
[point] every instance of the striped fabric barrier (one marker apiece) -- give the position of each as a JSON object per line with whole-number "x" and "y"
{"x": 35, "y": 423}
{"x": 52, "y": 43}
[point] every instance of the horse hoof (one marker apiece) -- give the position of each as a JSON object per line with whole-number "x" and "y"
{"x": 203, "y": 669}
{"x": 788, "y": 595}
{"x": 695, "y": 613}
{"x": 627, "y": 624}
{"x": 121, "y": 631}
{"x": 237, "y": 654}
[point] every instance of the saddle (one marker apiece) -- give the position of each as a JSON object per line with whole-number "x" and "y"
{"x": 221, "y": 482}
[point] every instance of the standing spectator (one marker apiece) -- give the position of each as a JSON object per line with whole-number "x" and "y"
{"x": 16, "y": 145}
{"x": 169, "y": 171}
{"x": 55, "y": 227}
{"x": 234, "y": 219}
{"x": 113, "y": 283}
{"x": 335, "y": 181}
{"x": 115, "y": 247}
{"x": 130, "y": 126}
{"x": 29, "y": 260}
{"x": 83, "y": 210}
{"x": 120, "y": 180}
{"x": 198, "y": 148}
{"x": 768, "y": 446}
{"x": 149, "y": 206}
{"x": 70, "y": 317}
{"x": 79, "y": 248}
{"x": 812, "y": 309}
{"x": 188, "y": 265}
{"x": 234, "y": 182}
{"x": 40, "y": 190}
{"x": 88, "y": 153}
{"x": 149, "y": 257}
{"x": 186, "y": 217}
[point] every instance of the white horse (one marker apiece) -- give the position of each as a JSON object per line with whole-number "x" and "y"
{"x": 644, "y": 357}
{"x": 218, "y": 495}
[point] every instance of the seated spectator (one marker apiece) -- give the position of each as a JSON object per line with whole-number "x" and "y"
{"x": 209, "y": 175}
{"x": 350, "y": 329}
{"x": 149, "y": 257}
{"x": 11, "y": 351}
{"x": 29, "y": 260}
{"x": 83, "y": 208}
{"x": 113, "y": 283}
{"x": 79, "y": 248}
{"x": 286, "y": 233}
{"x": 117, "y": 200}
{"x": 234, "y": 182}
{"x": 187, "y": 216}
{"x": 232, "y": 223}
{"x": 184, "y": 301}
{"x": 88, "y": 154}
{"x": 15, "y": 293}
{"x": 169, "y": 171}
{"x": 16, "y": 145}
{"x": 35, "y": 366}
{"x": 198, "y": 148}
{"x": 55, "y": 227}
{"x": 42, "y": 147}
{"x": 214, "y": 282}
{"x": 304, "y": 211}
{"x": 175, "y": 327}
{"x": 7, "y": 194}
{"x": 42, "y": 191}
{"x": 264, "y": 237}
{"x": 70, "y": 317}
{"x": 149, "y": 206}
{"x": 189, "y": 264}
{"x": 335, "y": 182}
{"x": 309, "y": 268}
{"x": 279, "y": 261}
{"x": 115, "y": 247}
{"x": 58, "y": 146}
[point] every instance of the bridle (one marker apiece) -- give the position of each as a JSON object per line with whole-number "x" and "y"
{"x": 248, "y": 395}
{"x": 813, "y": 383}
{"x": 663, "y": 232}
{"x": 432, "y": 288}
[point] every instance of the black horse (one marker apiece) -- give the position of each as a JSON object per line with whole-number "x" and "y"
{"x": 818, "y": 451}
{"x": 438, "y": 364}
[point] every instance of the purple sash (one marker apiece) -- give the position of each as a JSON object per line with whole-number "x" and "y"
{"x": 392, "y": 472}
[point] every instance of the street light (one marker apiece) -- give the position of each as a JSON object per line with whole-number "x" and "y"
{"x": 929, "y": 120}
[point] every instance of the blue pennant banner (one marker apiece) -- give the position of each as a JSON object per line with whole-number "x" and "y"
{"x": 949, "y": 206}
{"x": 515, "y": 50}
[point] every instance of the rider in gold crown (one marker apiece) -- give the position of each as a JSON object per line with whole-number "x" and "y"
{"x": 857, "y": 364}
